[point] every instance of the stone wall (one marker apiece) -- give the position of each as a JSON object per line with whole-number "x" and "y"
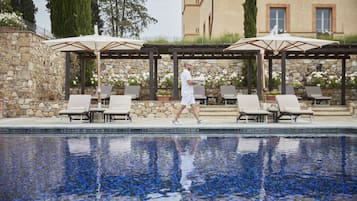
{"x": 31, "y": 75}
{"x": 297, "y": 69}
{"x": 157, "y": 109}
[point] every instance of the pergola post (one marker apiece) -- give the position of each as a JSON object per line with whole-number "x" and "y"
{"x": 270, "y": 74}
{"x": 249, "y": 76}
{"x": 155, "y": 77}
{"x": 283, "y": 73}
{"x": 175, "y": 94}
{"x": 82, "y": 73}
{"x": 343, "y": 82}
{"x": 151, "y": 75}
{"x": 66, "y": 79}
{"x": 259, "y": 76}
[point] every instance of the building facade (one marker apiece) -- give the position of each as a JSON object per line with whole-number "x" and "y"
{"x": 214, "y": 18}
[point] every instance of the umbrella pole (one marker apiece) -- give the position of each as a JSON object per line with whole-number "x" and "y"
{"x": 260, "y": 74}
{"x": 99, "y": 81}
{"x": 263, "y": 71}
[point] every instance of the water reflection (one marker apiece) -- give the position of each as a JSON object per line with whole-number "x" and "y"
{"x": 178, "y": 168}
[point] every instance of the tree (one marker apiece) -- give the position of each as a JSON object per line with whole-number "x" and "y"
{"x": 125, "y": 17}
{"x": 5, "y": 6}
{"x": 27, "y": 8}
{"x": 70, "y": 18}
{"x": 96, "y": 20}
{"x": 250, "y": 18}
{"x": 250, "y": 30}
{"x": 9, "y": 17}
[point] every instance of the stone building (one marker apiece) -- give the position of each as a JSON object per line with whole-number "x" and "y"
{"x": 212, "y": 18}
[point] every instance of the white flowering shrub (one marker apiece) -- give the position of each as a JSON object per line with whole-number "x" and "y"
{"x": 297, "y": 84}
{"x": 352, "y": 80}
{"x": 316, "y": 78}
{"x": 328, "y": 80}
{"x": 75, "y": 81}
{"x": 11, "y": 20}
{"x": 116, "y": 80}
{"x": 145, "y": 79}
{"x": 94, "y": 80}
{"x": 167, "y": 81}
{"x": 276, "y": 77}
{"x": 333, "y": 81}
{"x": 134, "y": 80}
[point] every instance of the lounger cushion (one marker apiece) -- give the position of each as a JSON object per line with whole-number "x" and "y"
{"x": 319, "y": 97}
{"x": 298, "y": 111}
{"x": 118, "y": 108}
{"x": 252, "y": 111}
{"x": 289, "y": 108}
{"x": 77, "y": 108}
{"x": 72, "y": 111}
{"x": 116, "y": 111}
{"x": 230, "y": 96}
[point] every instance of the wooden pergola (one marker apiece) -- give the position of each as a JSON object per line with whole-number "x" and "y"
{"x": 153, "y": 52}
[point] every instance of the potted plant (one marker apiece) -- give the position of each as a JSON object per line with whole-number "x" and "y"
{"x": 270, "y": 95}
{"x": 163, "y": 95}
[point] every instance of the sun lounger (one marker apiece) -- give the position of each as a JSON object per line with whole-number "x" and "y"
{"x": 289, "y": 89}
{"x": 288, "y": 105}
{"x": 119, "y": 106}
{"x": 77, "y": 108}
{"x": 106, "y": 91}
{"x": 314, "y": 93}
{"x": 133, "y": 91}
{"x": 228, "y": 93}
{"x": 200, "y": 94}
{"x": 249, "y": 106}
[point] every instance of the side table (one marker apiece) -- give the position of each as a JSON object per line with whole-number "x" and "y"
{"x": 92, "y": 111}
{"x": 275, "y": 113}
{"x": 211, "y": 98}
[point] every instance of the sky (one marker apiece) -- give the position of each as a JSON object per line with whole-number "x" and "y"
{"x": 167, "y": 12}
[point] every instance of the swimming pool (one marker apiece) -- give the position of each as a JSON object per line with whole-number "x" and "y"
{"x": 178, "y": 168}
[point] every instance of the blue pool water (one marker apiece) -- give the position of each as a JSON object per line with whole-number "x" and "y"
{"x": 178, "y": 168}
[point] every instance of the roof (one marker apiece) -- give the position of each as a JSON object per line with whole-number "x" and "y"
{"x": 215, "y": 51}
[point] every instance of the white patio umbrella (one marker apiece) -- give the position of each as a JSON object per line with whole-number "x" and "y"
{"x": 277, "y": 43}
{"x": 96, "y": 44}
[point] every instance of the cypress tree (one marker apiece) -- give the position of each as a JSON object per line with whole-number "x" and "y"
{"x": 70, "y": 18}
{"x": 250, "y": 18}
{"x": 250, "y": 30}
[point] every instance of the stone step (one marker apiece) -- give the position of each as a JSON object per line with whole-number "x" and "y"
{"x": 220, "y": 114}
{"x": 218, "y": 110}
{"x": 330, "y": 108}
{"x": 232, "y": 111}
{"x": 331, "y": 111}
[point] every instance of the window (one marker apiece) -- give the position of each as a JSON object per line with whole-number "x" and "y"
{"x": 323, "y": 20}
{"x": 204, "y": 29}
{"x": 278, "y": 17}
{"x": 209, "y": 26}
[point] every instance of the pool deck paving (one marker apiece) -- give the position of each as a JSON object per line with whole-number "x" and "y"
{"x": 61, "y": 125}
